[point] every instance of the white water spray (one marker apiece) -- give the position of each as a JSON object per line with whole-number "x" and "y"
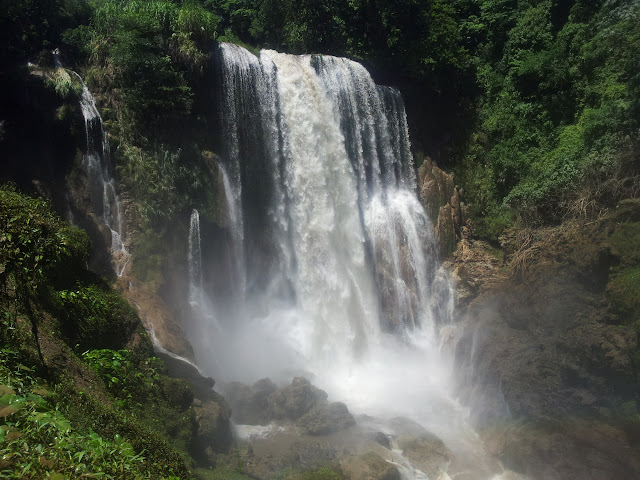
{"x": 195, "y": 260}
{"x": 106, "y": 200}
{"x": 345, "y": 233}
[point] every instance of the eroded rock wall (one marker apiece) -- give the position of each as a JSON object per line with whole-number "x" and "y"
{"x": 441, "y": 200}
{"x": 548, "y": 346}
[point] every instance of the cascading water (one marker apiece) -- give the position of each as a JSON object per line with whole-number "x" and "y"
{"x": 201, "y": 322}
{"x": 106, "y": 202}
{"x": 346, "y": 233}
{"x": 340, "y": 277}
{"x": 195, "y": 260}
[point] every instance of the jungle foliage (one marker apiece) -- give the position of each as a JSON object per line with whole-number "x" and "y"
{"x": 557, "y": 112}
{"x": 545, "y": 92}
{"x": 81, "y": 394}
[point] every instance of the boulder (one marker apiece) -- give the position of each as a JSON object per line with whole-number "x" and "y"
{"x": 426, "y": 452}
{"x": 381, "y": 439}
{"x": 212, "y": 417}
{"x": 369, "y": 466}
{"x": 250, "y": 404}
{"x": 326, "y": 418}
{"x": 295, "y": 400}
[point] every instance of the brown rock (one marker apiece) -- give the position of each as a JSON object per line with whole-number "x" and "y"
{"x": 426, "y": 452}
{"x": 295, "y": 400}
{"x": 441, "y": 200}
{"x": 369, "y": 466}
{"x": 250, "y": 404}
{"x": 326, "y": 418}
{"x": 156, "y": 317}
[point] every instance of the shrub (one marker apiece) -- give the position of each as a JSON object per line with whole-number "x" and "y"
{"x": 623, "y": 292}
{"x": 35, "y": 245}
{"x": 96, "y": 317}
{"x": 38, "y": 441}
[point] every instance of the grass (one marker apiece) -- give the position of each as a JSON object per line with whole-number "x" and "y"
{"x": 623, "y": 293}
{"x": 626, "y": 241}
{"x": 220, "y": 473}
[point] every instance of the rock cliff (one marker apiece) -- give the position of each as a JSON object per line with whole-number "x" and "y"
{"x": 547, "y": 352}
{"x": 440, "y": 198}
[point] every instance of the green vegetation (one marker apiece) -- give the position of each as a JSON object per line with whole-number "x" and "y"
{"x": 623, "y": 290}
{"x": 166, "y": 183}
{"x": 557, "y": 113}
{"x": 540, "y": 100}
{"x": 37, "y": 441}
{"x": 110, "y": 411}
{"x": 626, "y": 241}
{"x": 547, "y": 90}
{"x": 95, "y": 315}
{"x": 624, "y": 293}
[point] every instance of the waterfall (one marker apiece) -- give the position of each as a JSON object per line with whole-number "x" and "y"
{"x": 320, "y": 154}
{"x": 195, "y": 260}
{"x": 234, "y": 210}
{"x": 328, "y": 254}
{"x": 97, "y": 160}
{"x": 334, "y": 258}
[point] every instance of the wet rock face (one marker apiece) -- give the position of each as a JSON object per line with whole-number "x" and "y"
{"x": 545, "y": 354}
{"x": 156, "y": 316}
{"x": 570, "y": 449}
{"x": 295, "y": 400}
{"x": 213, "y": 415}
{"x": 326, "y": 418}
{"x": 250, "y": 404}
{"x": 426, "y": 452}
{"x": 381, "y": 439}
{"x": 441, "y": 200}
{"x": 300, "y": 402}
{"x": 369, "y": 466}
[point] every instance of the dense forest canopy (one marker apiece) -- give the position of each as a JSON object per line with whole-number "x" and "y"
{"x": 539, "y": 97}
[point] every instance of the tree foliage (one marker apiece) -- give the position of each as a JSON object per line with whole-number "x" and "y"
{"x": 552, "y": 85}
{"x": 558, "y": 101}
{"x": 36, "y": 247}
{"x": 67, "y": 434}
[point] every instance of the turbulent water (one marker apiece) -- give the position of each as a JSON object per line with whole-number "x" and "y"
{"x": 106, "y": 202}
{"x": 331, "y": 249}
{"x": 334, "y": 267}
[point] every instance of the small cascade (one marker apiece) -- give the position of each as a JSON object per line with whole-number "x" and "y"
{"x": 195, "y": 260}
{"x": 234, "y": 211}
{"x": 200, "y": 318}
{"x": 97, "y": 160}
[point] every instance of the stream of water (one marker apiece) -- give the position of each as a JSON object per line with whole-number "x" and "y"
{"x": 106, "y": 202}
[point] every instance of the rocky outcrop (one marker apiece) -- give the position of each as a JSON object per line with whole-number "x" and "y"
{"x": 250, "y": 404}
{"x": 547, "y": 357}
{"x": 368, "y": 466}
{"x": 293, "y": 401}
{"x": 326, "y": 418}
{"x": 426, "y": 452}
{"x": 212, "y": 416}
{"x": 156, "y": 317}
{"x": 441, "y": 200}
{"x": 299, "y": 403}
{"x": 570, "y": 448}
{"x": 213, "y": 428}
